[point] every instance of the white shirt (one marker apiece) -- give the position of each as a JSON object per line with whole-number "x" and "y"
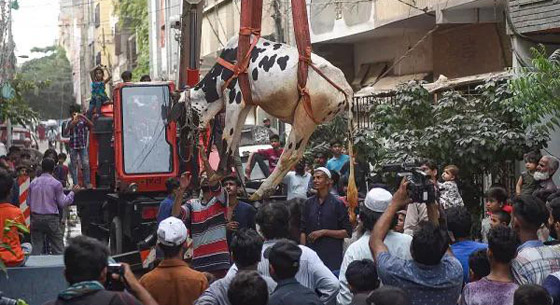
{"x": 296, "y": 185}
{"x": 398, "y": 244}
{"x": 312, "y": 273}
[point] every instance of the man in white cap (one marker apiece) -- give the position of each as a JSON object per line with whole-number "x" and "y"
{"x": 376, "y": 202}
{"x": 324, "y": 221}
{"x": 173, "y": 281}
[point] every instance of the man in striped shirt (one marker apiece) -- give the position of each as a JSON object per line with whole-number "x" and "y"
{"x": 206, "y": 218}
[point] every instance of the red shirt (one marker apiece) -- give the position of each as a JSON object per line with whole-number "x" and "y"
{"x": 11, "y": 212}
{"x": 272, "y": 156}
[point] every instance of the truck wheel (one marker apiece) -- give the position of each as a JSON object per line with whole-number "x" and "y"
{"x": 116, "y": 236}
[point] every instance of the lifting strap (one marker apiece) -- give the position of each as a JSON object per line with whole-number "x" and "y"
{"x": 251, "y": 15}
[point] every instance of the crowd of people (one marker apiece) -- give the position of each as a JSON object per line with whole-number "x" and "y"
{"x": 306, "y": 250}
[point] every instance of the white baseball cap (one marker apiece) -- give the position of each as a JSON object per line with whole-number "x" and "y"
{"x": 378, "y": 199}
{"x": 172, "y": 232}
{"x": 324, "y": 170}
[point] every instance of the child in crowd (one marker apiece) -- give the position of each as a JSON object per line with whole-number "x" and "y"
{"x": 497, "y": 287}
{"x": 449, "y": 192}
{"x": 526, "y": 184}
{"x": 500, "y": 218}
{"x": 496, "y": 199}
{"x": 98, "y": 94}
{"x": 61, "y": 170}
{"x": 479, "y": 266}
{"x": 531, "y": 294}
{"x": 362, "y": 280}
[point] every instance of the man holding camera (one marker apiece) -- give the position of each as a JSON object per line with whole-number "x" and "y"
{"x": 434, "y": 276}
{"x": 86, "y": 270}
{"x": 416, "y": 212}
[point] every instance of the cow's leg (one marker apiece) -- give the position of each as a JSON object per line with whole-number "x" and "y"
{"x": 302, "y": 129}
{"x": 235, "y": 119}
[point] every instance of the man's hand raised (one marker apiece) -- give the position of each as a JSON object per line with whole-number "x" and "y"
{"x": 400, "y": 198}
{"x": 185, "y": 180}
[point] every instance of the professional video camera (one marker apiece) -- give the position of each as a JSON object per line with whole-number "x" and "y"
{"x": 420, "y": 188}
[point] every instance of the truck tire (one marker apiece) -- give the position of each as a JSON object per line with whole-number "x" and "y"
{"x": 116, "y": 236}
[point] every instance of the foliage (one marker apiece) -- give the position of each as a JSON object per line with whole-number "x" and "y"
{"x": 478, "y": 133}
{"x": 133, "y": 15}
{"x": 17, "y": 109}
{"x": 8, "y": 226}
{"x": 536, "y": 90}
{"x": 55, "y": 94}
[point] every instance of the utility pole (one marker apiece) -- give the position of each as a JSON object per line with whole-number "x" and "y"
{"x": 191, "y": 29}
{"x": 109, "y": 65}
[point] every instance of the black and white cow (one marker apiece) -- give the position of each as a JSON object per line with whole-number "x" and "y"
{"x": 273, "y": 77}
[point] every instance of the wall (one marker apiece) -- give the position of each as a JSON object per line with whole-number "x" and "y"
{"x": 389, "y": 49}
{"x": 467, "y": 50}
{"x": 534, "y": 15}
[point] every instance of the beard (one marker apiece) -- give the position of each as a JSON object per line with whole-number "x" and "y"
{"x": 540, "y": 176}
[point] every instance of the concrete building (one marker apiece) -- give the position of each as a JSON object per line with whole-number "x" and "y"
{"x": 395, "y": 41}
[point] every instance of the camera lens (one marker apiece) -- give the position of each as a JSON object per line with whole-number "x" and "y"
{"x": 7, "y": 301}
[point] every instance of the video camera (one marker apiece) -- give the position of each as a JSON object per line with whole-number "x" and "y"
{"x": 420, "y": 187}
{"x": 111, "y": 283}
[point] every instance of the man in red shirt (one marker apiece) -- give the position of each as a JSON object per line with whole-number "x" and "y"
{"x": 272, "y": 155}
{"x": 9, "y": 212}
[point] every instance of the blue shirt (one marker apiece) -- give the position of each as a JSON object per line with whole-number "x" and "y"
{"x": 462, "y": 250}
{"x": 165, "y": 208}
{"x": 552, "y": 285}
{"x": 329, "y": 215}
{"x": 290, "y": 292}
{"x": 428, "y": 285}
{"x": 335, "y": 164}
{"x": 244, "y": 214}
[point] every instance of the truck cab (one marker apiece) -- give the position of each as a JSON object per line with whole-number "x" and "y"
{"x": 132, "y": 152}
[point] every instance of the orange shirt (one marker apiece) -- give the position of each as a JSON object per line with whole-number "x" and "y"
{"x": 11, "y": 212}
{"x": 173, "y": 282}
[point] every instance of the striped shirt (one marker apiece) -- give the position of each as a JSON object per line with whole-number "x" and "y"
{"x": 207, "y": 223}
{"x": 534, "y": 262}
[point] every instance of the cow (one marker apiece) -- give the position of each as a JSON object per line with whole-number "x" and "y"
{"x": 272, "y": 73}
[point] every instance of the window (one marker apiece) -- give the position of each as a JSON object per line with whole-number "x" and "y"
{"x": 144, "y": 124}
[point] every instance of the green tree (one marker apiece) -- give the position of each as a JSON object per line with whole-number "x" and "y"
{"x": 133, "y": 14}
{"x": 53, "y": 71}
{"x": 536, "y": 90}
{"x": 16, "y": 108}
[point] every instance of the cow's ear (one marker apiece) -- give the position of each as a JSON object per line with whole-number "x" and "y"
{"x": 176, "y": 112}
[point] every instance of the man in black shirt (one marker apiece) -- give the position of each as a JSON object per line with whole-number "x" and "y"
{"x": 284, "y": 264}
{"x": 324, "y": 222}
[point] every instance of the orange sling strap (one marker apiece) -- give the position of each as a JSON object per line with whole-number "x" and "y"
{"x": 251, "y": 15}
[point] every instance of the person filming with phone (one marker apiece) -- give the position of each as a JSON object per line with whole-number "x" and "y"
{"x": 88, "y": 273}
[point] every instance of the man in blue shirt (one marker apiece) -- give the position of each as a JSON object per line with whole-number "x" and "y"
{"x": 239, "y": 214}
{"x": 459, "y": 224}
{"x": 284, "y": 259}
{"x": 339, "y": 159}
{"x": 433, "y": 276}
{"x": 324, "y": 222}
{"x": 165, "y": 207}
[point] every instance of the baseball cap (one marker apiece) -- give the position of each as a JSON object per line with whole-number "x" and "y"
{"x": 378, "y": 199}
{"x": 172, "y": 232}
{"x": 324, "y": 170}
{"x": 283, "y": 253}
{"x": 265, "y": 119}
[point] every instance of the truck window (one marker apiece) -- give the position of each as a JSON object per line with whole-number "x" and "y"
{"x": 145, "y": 146}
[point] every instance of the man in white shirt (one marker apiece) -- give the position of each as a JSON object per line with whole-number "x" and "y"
{"x": 376, "y": 202}
{"x": 297, "y": 181}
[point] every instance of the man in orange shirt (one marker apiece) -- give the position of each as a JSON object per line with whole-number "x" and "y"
{"x": 9, "y": 212}
{"x": 173, "y": 282}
